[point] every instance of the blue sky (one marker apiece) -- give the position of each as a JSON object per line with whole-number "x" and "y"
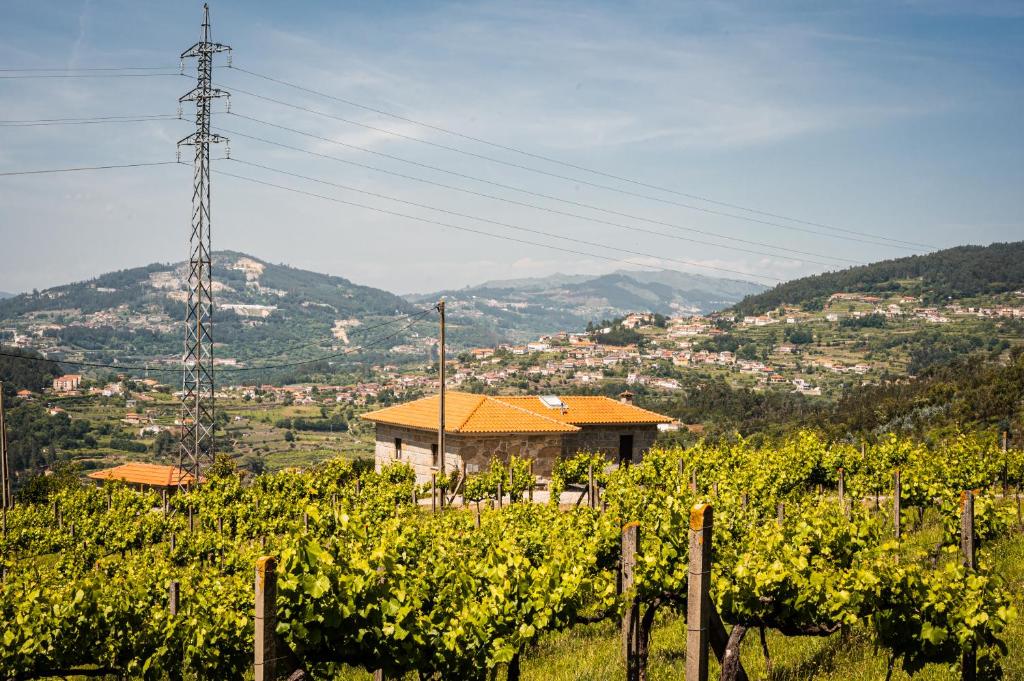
{"x": 895, "y": 119}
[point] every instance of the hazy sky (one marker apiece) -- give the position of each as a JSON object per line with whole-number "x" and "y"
{"x": 889, "y": 118}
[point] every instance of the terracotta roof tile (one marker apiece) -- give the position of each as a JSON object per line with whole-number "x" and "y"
{"x": 590, "y": 410}
{"x": 469, "y": 413}
{"x": 139, "y": 473}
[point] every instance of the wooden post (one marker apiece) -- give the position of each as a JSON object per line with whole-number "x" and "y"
{"x": 415, "y": 496}
{"x": 531, "y": 480}
{"x": 969, "y": 549}
{"x": 631, "y": 619}
{"x": 441, "y": 385}
{"x": 782, "y": 512}
{"x": 590, "y": 486}
{"x": 163, "y": 495}
{"x": 968, "y": 542}
{"x": 358, "y": 486}
{"x": 72, "y": 528}
{"x": 896, "y": 504}
{"x": 698, "y": 600}
{"x": 220, "y": 525}
{"x": 693, "y": 481}
{"x": 433, "y": 492}
{"x": 305, "y": 520}
{"x": 842, "y": 488}
{"x": 191, "y": 521}
{"x": 172, "y": 598}
{"x": 500, "y": 495}
{"x": 57, "y": 516}
{"x": 744, "y": 500}
{"x": 173, "y": 544}
{"x": 714, "y": 488}
{"x": 264, "y": 666}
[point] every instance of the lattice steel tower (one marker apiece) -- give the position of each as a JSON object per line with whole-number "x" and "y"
{"x": 197, "y": 425}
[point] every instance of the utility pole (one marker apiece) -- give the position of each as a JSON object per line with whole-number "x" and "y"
{"x": 5, "y": 469}
{"x": 197, "y": 410}
{"x": 440, "y": 416}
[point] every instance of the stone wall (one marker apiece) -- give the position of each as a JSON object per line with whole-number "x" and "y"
{"x": 476, "y": 451}
{"x": 605, "y": 439}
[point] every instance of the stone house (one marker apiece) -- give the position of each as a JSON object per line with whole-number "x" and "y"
{"x": 479, "y": 428}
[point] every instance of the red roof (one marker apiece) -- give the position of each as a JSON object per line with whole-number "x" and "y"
{"x": 150, "y": 474}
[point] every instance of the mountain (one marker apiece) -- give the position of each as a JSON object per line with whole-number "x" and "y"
{"x": 261, "y": 309}
{"x": 957, "y": 273}
{"x": 5, "y": 294}
{"x": 522, "y": 308}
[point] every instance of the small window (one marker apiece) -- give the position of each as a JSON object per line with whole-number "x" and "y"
{"x": 398, "y": 448}
{"x": 433, "y": 451}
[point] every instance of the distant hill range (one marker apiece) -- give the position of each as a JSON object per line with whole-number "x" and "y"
{"x": 522, "y": 308}
{"x": 953, "y": 273}
{"x": 5, "y": 294}
{"x": 260, "y": 309}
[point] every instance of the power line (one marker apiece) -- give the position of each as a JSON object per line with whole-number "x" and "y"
{"x": 26, "y": 76}
{"x": 525, "y": 191}
{"x": 92, "y": 68}
{"x": 88, "y": 121}
{"x": 710, "y": 211}
{"x": 696, "y": 197}
{"x": 80, "y": 168}
{"x": 503, "y": 237}
{"x": 487, "y": 220}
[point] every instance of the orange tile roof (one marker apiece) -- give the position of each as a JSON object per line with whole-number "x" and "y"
{"x": 469, "y": 413}
{"x": 590, "y": 410}
{"x": 145, "y": 474}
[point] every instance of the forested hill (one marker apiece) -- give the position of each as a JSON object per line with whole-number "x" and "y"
{"x": 260, "y": 309}
{"x": 960, "y": 272}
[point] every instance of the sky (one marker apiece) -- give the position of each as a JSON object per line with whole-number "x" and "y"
{"x": 750, "y": 140}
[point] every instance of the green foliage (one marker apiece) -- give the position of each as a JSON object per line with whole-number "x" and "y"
{"x": 959, "y": 272}
{"x": 374, "y": 582}
{"x": 575, "y": 470}
{"x": 18, "y": 374}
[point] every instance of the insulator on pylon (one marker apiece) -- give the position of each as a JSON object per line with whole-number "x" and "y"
{"x": 179, "y": 154}
{"x": 227, "y": 149}
{"x": 179, "y": 110}
{"x": 229, "y": 59}
{"x": 182, "y": 67}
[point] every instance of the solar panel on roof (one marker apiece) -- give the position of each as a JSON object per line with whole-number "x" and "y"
{"x": 552, "y": 401}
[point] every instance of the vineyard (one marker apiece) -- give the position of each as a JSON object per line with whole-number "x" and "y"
{"x": 810, "y": 538}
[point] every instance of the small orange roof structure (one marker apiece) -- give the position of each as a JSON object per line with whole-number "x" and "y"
{"x": 150, "y": 474}
{"x": 469, "y": 413}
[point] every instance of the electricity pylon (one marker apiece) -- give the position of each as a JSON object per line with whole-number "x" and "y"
{"x": 197, "y": 415}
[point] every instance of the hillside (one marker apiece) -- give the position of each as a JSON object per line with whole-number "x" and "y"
{"x": 959, "y": 273}
{"x": 260, "y": 309}
{"x": 523, "y": 308}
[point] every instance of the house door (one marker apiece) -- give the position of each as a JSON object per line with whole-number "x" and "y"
{"x": 625, "y": 449}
